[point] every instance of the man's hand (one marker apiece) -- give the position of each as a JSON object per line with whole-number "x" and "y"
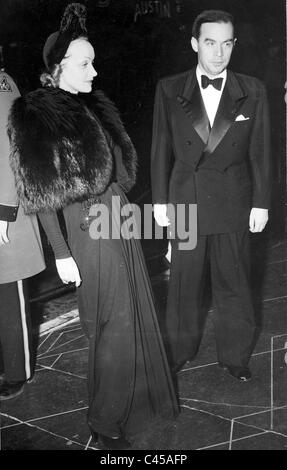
{"x": 168, "y": 254}
{"x": 160, "y": 215}
{"x": 258, "y": 219}
{"x": 4, "y": 232}
{"x": 68, "y": 271}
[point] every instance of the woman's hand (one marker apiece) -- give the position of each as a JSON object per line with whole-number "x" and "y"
{"x": 68, "y": 271}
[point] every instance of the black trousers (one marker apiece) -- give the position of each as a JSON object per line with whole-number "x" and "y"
{"x": 15, "y": 331}
{"x": 228, "y": 257}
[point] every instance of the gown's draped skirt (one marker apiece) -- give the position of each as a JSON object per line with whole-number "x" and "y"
{"x": 129, "y": 382}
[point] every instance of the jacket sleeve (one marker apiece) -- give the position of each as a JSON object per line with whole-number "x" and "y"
{"x": 161, "y": 151}
{"x": 260, "y": 153}
{"x": 50, "y": 223}
{"x": 8, "y": 194}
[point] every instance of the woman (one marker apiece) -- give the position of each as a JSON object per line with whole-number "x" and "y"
{"x": 71, "y": 152}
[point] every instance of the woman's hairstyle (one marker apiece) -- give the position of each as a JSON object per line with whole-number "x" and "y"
{"x": 211, "y": 16}
{"x": 51, "y": 79}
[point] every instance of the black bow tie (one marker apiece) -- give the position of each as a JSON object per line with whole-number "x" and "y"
{"x": 216, "y": 82}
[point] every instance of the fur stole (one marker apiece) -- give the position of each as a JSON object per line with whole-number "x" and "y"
{"x": 62, "y": 147}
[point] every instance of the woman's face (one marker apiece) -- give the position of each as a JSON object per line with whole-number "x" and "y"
{"x": 77, "y": 67}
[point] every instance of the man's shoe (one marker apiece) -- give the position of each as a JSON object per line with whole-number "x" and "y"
{"x": 31, "y": 379}
{"x": 10, "y": 389}
{"x": 117, "y": 443}
{"x": 240, "y": 373}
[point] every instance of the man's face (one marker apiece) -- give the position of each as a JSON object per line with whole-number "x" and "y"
{"x": 77, "y": 67}
{"x": 214, "y": 47}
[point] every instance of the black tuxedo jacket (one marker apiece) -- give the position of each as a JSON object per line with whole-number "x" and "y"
{"x": 225, "y": 171}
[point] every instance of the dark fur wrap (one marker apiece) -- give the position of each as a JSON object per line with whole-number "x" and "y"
{"x": 60, "y": 152}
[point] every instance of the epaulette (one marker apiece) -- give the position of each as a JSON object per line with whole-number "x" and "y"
{"x": 4, "y": 84}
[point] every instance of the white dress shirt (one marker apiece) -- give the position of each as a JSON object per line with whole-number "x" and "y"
{"x": 210, "y": 95}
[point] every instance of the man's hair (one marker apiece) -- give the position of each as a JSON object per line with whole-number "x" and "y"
{"x": 211, "y": 16}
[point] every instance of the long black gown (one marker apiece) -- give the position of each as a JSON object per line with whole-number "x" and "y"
{"x": 129, "y": 381}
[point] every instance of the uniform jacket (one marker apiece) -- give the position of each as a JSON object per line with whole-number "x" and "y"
{"x": 23, "y": 256}
{"x": 225, "y": 171}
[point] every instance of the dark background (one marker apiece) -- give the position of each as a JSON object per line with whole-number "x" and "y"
{"x": 134, "y": 50}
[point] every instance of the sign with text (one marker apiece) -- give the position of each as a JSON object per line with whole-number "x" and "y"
{"x": 161, "y": 8}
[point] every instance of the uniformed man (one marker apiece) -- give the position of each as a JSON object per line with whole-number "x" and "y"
{"x": 21, "y": 256}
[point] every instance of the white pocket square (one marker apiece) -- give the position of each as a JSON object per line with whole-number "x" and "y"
{"x": 241, "y": 118}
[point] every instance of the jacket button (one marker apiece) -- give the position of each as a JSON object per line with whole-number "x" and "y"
{"x": 188, "y": 142}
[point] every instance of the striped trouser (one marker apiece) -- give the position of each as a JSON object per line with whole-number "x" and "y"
{"x": 15, "y": 331}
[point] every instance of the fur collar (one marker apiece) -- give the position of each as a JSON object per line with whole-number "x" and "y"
{"x": 62, "y": 147}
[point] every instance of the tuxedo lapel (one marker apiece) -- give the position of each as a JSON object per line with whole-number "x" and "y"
{"x": 192, "y": 104}
{"x": 232, "y": 98}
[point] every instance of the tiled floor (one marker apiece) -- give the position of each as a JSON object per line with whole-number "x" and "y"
{"x": 217, "y": 412}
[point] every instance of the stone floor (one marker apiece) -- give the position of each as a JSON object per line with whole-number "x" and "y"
{"x": 217, "y": 412}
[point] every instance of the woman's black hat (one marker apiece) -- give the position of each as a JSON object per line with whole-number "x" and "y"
{"x": 72, "y": 27}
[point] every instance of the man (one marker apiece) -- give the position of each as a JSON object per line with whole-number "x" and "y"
{"x": 21, "y": 256}
{"x": 211, "y": 148}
